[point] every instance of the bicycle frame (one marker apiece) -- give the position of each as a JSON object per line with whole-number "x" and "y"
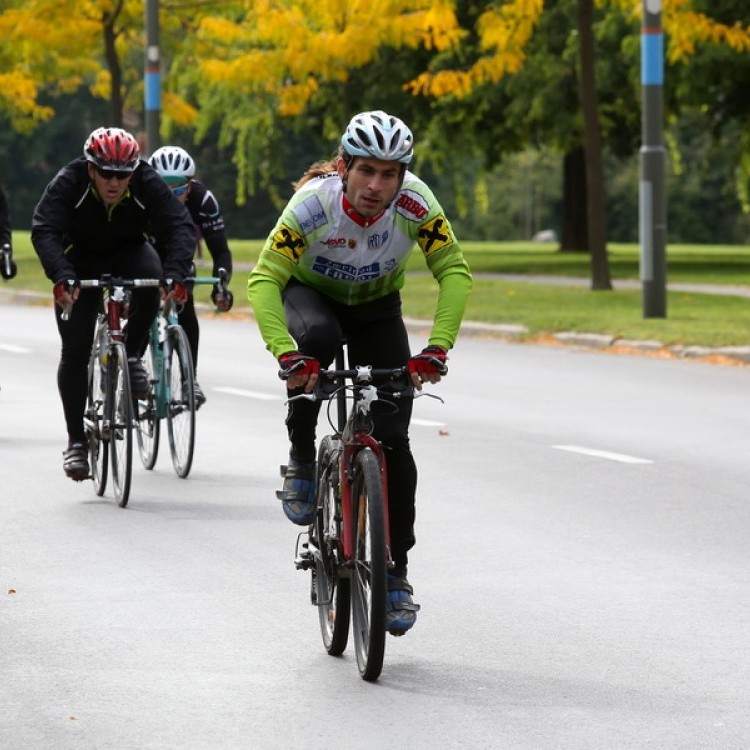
{"x": 160, "y": 344}
{"x": 354, "y": 430}
{"x": 353, "y": 440}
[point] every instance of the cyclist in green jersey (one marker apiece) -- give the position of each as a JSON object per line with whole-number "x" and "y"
{"x": 332, "y": 270}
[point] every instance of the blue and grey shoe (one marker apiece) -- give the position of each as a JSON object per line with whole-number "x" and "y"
{"x": 298, "y": 492}
{"x": 401, "y": 612}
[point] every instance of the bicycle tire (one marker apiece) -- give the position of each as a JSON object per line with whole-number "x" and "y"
{"x": 369, "y": 571}
{"x": 181, "y": 406}
{"x": 332, "y": 592}
{"x": 147, "y": 415}
{"x": 93, "y": 419}
{"x": 121, "y": 433}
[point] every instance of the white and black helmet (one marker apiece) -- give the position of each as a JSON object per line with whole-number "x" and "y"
{"x": 173, "y": 163}
{"x": 378, "y": 135}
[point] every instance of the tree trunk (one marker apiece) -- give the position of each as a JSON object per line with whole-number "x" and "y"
{"x": 595, "y": 203}
{"x": 113, "y": 64}
{"x": 574, "y": 233}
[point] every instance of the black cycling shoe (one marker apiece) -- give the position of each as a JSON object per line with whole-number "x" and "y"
{"x": 76, "y": 462}
{"x": 200, "y": 397}
{"x": 139, "y": 384}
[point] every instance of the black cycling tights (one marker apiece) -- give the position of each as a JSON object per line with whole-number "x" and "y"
{"x": 188, "y": 319}
{"x": 376, "y": 335}
{"x": 77, "y": 333}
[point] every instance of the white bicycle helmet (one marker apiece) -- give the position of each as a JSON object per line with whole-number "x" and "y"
{"x": 173, "y": 163}
{"x": 378, "y": 135}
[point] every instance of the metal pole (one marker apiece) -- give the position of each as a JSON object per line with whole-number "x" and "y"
{"x": 152, "y": 77}
{"x": 652, "y": 200}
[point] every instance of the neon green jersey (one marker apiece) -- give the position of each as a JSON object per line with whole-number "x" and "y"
{"x": 324, "y": 243}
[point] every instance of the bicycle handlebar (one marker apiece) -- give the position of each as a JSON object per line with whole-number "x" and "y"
{"x": 330, "y": 382}
{"x": 109, "y": 282}
{"x": 114, "y": 281}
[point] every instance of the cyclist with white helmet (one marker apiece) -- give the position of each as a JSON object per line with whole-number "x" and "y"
{"x": 92, "y": 219}
{"x": 177, "y": 169}
{"x": 332, "y": 268}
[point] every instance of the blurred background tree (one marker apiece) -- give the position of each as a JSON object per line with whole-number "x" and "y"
{"x": 258, "y": 91}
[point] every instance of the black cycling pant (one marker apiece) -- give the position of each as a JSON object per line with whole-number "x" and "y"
{"x": 376, "y": 335}
{"x": 188, "y": 319}
{"x": 77, "y": 333}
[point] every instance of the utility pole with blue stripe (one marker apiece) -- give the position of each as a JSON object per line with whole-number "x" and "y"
{"x": 652, "y": 192}
{"x": 152, "y": 77}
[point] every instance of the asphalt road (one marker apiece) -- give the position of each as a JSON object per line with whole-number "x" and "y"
{"x": 582, "y": 565}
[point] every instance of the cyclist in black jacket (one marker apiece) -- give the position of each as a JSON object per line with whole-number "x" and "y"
{"x": 94, "y": 218}
{"x": 5, "y": 239}
{"x": 177, "y": 168}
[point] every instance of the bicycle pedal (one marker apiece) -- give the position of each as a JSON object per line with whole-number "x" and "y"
{"x": 304, "y": 560}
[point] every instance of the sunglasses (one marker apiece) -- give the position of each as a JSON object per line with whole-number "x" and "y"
{"x": 179, "y": 190}
{"x": 108, "y": 174}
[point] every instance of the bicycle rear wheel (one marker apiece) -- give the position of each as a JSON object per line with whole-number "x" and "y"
{"x": 121, "y": 433}
{"x": 93, "y": 419}
{"x": 332, "y": 593}
{"x": 369, "y": 582}
{"x": 181, "y": 406}
{"x": 148, "y": 417}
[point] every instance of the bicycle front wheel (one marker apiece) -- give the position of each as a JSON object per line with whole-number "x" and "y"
{"x": 93, "y": 420}
{"x": 369, "y": 574}
{"x": 181, "y": 403}
{"x": 331, "y": 592}
{"x": 121, "y": 432}
{"x": 147, "y": 416}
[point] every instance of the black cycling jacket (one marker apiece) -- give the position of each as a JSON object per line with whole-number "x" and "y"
{"x": 72, "y": 228}
{"x": 206, "y": 214}
{"x": 4, "y": 219}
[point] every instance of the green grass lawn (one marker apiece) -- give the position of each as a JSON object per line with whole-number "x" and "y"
{"x": 703, "y": 319}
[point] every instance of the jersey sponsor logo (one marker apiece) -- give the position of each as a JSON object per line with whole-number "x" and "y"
{"x": 288, "y": 243}
{"x": 310, "y": 214}
{"x": 339, "y": 242}
{"x": 345, "y": 271}
{"x": 377, "y": 240}
{"x": 412, "y": 205}
{"x": 434, "y": 234}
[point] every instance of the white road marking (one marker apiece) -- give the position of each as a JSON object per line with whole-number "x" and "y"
{"x": 248, "y": 394}
{"x": 427, "y": 423}
{"x": 13, "y": 349}
{"x": 621, "y": 457}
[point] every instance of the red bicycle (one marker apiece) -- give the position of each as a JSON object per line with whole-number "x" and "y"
{"x": 347, "y": 548}
{"x": 109, "y": 417}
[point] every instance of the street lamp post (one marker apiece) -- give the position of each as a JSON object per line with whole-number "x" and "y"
{"x": 652, "y": 201}
{"x": 152, "y": 76}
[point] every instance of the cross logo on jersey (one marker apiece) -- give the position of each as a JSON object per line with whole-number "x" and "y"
{"x": 288, "y": 243}
{"x": 433, "y": 235}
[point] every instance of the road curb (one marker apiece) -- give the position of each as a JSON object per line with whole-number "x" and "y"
{"x": 736, "y": 355}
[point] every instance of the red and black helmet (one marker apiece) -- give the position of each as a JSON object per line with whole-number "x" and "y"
{"x": 112, "y": 148}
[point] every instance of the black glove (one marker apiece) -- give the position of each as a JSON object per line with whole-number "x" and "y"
{"x": 294, "y": 363}
{"x": 8, "y": 269}
{"x": 223, "y": 299}
{"x": 430, "y": 361}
